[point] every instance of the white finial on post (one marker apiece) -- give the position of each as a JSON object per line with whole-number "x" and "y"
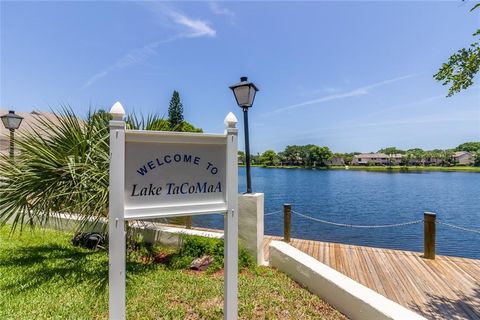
{"x": 117, "y": 111}
{"x": 230, "y": 120}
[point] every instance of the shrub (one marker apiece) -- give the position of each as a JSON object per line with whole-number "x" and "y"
{"x": 196, "y": 247}
{"x": 192, "y": 247}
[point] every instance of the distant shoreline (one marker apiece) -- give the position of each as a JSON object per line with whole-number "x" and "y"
{"x": 381, "y": 168}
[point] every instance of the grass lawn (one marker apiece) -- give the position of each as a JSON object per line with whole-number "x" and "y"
{"x": 42, "y": 276}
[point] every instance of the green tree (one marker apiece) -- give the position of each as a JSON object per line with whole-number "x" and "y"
{"x": 429, "y": 157}
{"x": 415, "y": 156}
{"x": 468, "y": 146}
{"x": 269, "y": 158}
{"x": 476, "y": 159}
{"x": 347, "y": 157}
{"x": 282, "y": 158}
{"x": 255, "y": 158}
{"x": 391, "y": 152}
{"x": 188, "y": 127}
{"x": 241, "y": 156}
{"x": 175, "y": 110}
{"x": 318, "y": 156}
{"x": 446, "y": 158}
{"x": 462, "y": 66}
{"x": 293, "y": 155}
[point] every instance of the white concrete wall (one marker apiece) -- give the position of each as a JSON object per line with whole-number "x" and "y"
{"x": 151, "y": 232}
{"x": 166, "y": 235}
{"x": 346, "y": 295}
{"x": 250, "y": 224}
{"x": 251, "y": 207}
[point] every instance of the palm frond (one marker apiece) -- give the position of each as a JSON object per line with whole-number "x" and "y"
{"x": 62, "y": 168}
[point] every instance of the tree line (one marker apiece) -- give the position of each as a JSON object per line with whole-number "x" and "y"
{"x": 308, "y": 155}
{"x": 311, "y": 155}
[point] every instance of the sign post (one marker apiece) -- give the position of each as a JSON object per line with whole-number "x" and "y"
{"x": 116, "y": 228}
{"x": 230, "y": 304}
{"x": 165, "y": 174}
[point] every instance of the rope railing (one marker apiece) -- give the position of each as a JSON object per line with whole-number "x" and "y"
{"x": 459, "y": 227}
{"x": 429, "y": 227}
{"x": 272, "y": 213}
{"x": 393, "y": 225}
{"x": 357, "y": 225}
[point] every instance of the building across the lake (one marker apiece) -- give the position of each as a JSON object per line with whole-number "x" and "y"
{"x": 28, "y": 124}
{"x": 376, "y": 159}
{"x": 335, "y": 161}
{"x": 463, "y": 157}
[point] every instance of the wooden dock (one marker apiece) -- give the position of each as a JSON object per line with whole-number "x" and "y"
{"x": 444, "y": 288}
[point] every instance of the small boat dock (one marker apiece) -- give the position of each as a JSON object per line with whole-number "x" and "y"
{"x": 444, "y": 288}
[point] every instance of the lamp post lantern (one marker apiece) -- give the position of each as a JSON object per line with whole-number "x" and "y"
{"x": 11, "y": 121}
{"x": 244, "y": 92}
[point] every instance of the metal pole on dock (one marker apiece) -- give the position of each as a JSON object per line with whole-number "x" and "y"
{"x": 287, "y": 221}
{"x": 429, "y": 230}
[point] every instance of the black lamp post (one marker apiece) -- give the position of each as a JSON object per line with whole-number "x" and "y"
{"x": 11, "y": 121}
{"x": 244, "y": 92}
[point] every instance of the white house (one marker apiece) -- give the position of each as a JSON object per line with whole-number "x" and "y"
{"x": 463, "y": 157}
{"x": 376, "y": 159}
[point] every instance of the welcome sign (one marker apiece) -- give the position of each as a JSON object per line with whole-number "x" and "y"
{"x": 169, "y": 174}
{"x": 164, "y": 174}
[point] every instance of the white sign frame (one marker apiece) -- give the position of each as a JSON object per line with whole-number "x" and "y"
{"x": 118, "y": 212}
{"x": 212, "y": 143}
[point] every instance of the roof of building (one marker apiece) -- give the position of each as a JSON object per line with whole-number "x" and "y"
{"x": 29, "y": 119}
{"x": 461, "y": 153}
{"x": 377, "y": 155}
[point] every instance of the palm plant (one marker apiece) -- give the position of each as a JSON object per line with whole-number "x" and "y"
{"x": 62, "y": 167}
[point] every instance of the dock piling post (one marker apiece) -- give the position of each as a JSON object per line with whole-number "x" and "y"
{"x": 188, "y": 222}
{"x": 287, "y": 221}
{"x": 429, "y": 230}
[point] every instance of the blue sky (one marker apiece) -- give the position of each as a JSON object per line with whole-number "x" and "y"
{"x": 354, "y": 76}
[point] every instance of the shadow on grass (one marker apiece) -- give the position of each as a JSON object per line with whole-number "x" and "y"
{"x": 36, "y": 265}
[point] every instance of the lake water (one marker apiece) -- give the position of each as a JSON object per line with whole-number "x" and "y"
{"x": 370, "y": 198}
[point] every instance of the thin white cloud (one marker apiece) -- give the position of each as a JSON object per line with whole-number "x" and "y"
{"x": 385, "y": 82}
{"x": 94, "y": 78}
{"x": 216, "y": 9}
{"x": 352, "y": 93}
{"x": 195, "y": 27}
{"x": 135, "y": 56}
{"x": 192, "y": 28}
